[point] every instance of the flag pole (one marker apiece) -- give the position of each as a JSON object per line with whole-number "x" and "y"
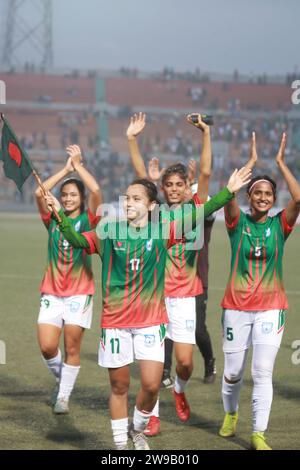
{"x": 41, "y": 185}
{"x": 38, "y": 179}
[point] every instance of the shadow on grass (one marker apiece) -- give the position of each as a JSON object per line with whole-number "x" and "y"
{"x": 66, "y": 432}
{"x": 287, "y": 392}
{"x": 26, "y": 410}
{"x": 196, "y": 421}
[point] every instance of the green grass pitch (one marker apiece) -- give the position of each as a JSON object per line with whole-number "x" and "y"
{"x": 26, "y": 419}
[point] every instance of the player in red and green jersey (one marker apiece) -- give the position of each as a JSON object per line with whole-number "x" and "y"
{"x": 255, "y": 301}
{"x": 134, "y": 316}
{"x": 67, "y": 287}
{"x": 182, "y": 283}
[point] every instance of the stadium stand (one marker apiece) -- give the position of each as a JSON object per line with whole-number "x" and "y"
{"x": 49, "y": 112}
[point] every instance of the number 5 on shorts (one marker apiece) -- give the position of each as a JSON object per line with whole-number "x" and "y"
{"x": 115, "y": 345}
{"x": 229, "y": 334}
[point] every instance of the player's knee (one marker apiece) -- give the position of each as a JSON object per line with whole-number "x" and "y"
{"x": 231, "y": 379}
{"x": 72, "y": 350}
{"x": 233, "y": 375}
{"x": 48, "y": 351}
{"x": 119, "y": 387}
{"x": 151, "y": 388}
{"x": 185, "y": 362}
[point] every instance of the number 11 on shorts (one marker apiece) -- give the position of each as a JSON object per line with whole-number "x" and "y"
{"x": 115, "y": 345}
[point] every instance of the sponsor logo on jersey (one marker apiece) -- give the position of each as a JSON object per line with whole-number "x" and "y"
{"x": 266, "y": 327}
{"x": 119, "y": 246}
{"x": 77, "y": 226}
{"x": 247, "y": 232}
{"x": 149, "y": 244}
{"x": 190, "y": 325}
{"x": 149, "y": 340}
{"x": 74, "y": 307}
{"x": 268, "y": 232}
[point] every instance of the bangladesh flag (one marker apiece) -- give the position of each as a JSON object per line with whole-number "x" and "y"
{"x": 16, "y": 163}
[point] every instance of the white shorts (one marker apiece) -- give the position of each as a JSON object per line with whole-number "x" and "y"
{"x": 120, "y": 346}
{"x": 182, "y": 319}
{"x": 241, "y": 329}
{"x": 74, "y": 310}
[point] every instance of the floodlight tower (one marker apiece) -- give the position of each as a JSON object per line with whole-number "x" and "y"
{"x": 27, "y": 24}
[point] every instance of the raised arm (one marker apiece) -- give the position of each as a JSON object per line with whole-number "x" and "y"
{"x": 237, "y": 180}
{"x": 136, "y": 126}
{"x": 232, "y": 210}
{"x": 154, "y": 172}
{"x": 253, "y": 153}
{"x": 293, "y": 207}
{"x": 205, "y": 158}
{"x": 192, "y": 171}
{"x": 95, "y": 195}
{"x": 49, "y": 185}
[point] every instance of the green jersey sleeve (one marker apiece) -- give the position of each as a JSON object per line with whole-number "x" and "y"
{"x": 197, "y": 214}
{"x": 77, "y": 240}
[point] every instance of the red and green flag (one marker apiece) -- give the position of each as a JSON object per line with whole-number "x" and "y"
{"x": 16, "y": 163}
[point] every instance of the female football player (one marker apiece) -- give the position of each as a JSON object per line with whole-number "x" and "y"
{"x": 67, "y": 287}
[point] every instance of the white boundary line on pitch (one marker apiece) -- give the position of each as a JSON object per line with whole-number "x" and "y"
{"x": 37, "y": 278}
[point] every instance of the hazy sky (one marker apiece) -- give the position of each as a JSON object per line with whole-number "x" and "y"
{"x": 216, "y": 35}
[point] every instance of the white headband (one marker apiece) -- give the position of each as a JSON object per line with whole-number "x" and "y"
{"x": 261, "y": 181}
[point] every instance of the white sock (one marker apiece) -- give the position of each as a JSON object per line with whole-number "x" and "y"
{"x": 120, "y": 432}
{"x": 155, "y": 411}
{"x": 261, "y": 405}
{"x": 262, "y": 369}
{"x": 230, "y": 395}
{"x": 180, "y": 385}
{"x": 140, "y": 419}
{"x": 54, "y": 365}
{"x": 67, "y": 380}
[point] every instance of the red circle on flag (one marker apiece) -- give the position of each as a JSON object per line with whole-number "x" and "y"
{"x": 15, "y": 153}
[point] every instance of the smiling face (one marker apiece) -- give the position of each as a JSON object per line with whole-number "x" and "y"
{"x": 175, "y": 188}
{"x": 137, "y": 204}
{"x": 261, "y": 198}
{"x": 71, "y": 198}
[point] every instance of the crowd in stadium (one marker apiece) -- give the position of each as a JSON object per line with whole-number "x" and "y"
{"x": 237, "y": 112}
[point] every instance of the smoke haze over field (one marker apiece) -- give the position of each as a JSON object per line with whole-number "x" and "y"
{"x": 258, "y": 36}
